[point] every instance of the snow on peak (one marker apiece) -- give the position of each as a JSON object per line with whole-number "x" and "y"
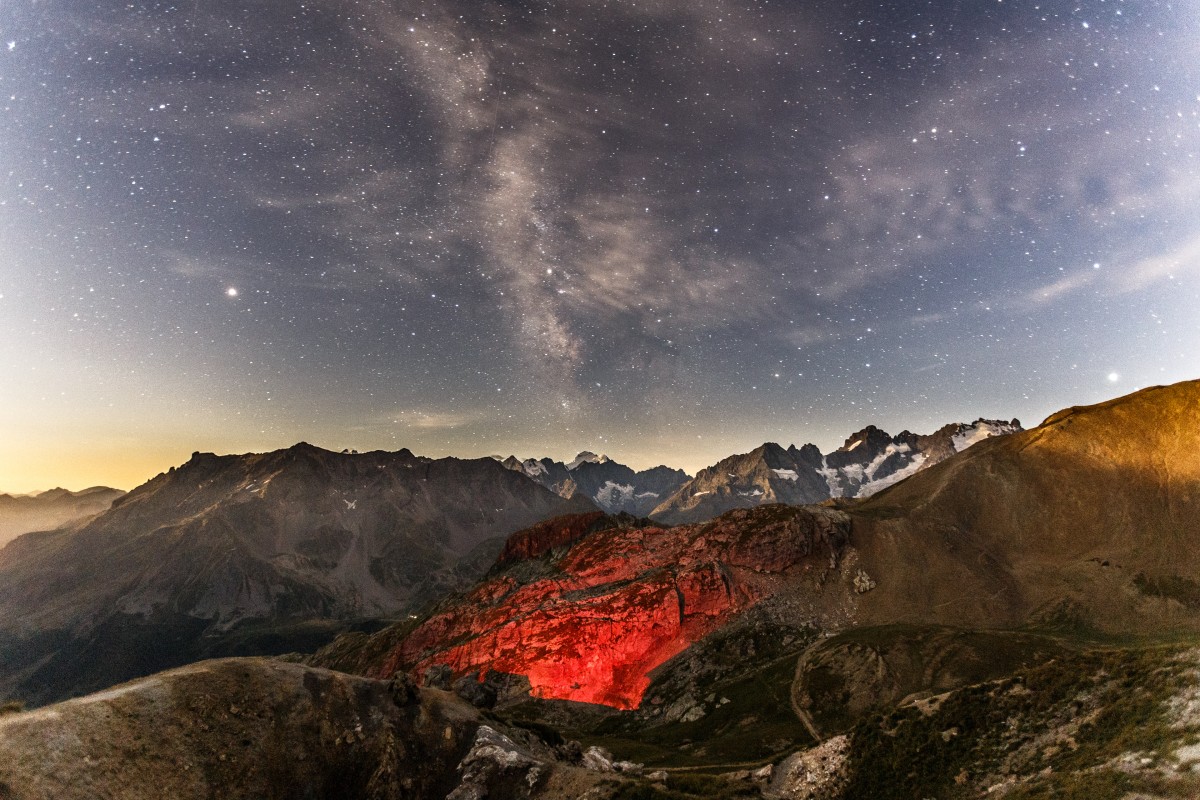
{"x": 979, "y": 430}
{"x": 833, "y": 478}
{"x": 613, "y": 495}
{"x": 872, "y": 486}
{"x": 532, "y": 467}
{"x": 587, "y": 456}
{"x": 786, "y": 474}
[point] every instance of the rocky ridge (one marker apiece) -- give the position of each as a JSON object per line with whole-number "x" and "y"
{"x": 257, "y": 728}
{"x": 868, "y": 462}
{"x": 592, "y": 605}
{"x": 613, "y": 487}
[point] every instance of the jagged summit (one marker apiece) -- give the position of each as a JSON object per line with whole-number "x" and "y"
{"x": 612, "y": 486}
{"x": 868, "y": 461}
{"x": 587, "y": 457}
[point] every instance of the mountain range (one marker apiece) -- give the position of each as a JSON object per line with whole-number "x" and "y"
{"x": 870, "y": 460}
{"x": 982, "y": 612}
{"x": 1091, "y": 516}
{"x": 261, "y": 553}
{"x": 247, "y": 554}
{"x": 821, "y": 631}
{"x": 613, "y": 487}
{"x": 44, "y": 511}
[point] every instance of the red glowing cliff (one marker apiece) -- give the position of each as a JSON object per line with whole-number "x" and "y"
{"x": 586, "y": 610}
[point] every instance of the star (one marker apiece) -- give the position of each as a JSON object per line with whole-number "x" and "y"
{"x": 231, "y": 291}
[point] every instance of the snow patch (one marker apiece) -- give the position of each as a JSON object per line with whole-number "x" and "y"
{"x": 613, "y": 495}
{"x": 977, "y": 431}
{"x": 870, "y": 469}
{"x": 786, "y": 474}
{"x": 533, "y": 468}
{"x": 755, "y": 493}
{"x": 871, "y": 487}
{"x": 587, "y": 456}
{"x": 833, "y": 479}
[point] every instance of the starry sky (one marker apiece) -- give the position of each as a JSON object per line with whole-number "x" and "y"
{"x": 668, "y": 230}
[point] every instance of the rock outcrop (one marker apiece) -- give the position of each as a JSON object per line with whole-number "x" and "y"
{"x": 815, "y": 774}
{"x": 594, "y": 614}
{"x": 254, "y": 728}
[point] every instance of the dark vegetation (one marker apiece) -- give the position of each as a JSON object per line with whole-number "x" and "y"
{"x": 1063, "y": 722}
{"x": 742, "y": 677}
{"x": 1170, "y": 587}
{"x": 685, "y": 786}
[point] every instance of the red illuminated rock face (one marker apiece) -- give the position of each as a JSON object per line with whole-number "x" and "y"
{"x": 545, "y": 536}
{"x": 608, "y": 606}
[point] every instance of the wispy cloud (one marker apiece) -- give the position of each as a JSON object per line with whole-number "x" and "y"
{"x": 418, "y": 419}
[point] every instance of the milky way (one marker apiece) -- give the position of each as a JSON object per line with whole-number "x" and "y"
{"x": 670, "y": 229}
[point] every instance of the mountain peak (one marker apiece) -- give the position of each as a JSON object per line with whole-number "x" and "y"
{"x": 587, "y": 456}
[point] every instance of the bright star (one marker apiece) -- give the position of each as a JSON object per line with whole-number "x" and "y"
{"x": 232, "y": 291}
{"x": 1113, "y": 377}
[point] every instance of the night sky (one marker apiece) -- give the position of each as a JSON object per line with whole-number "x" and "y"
{"x": 667, "y": 230}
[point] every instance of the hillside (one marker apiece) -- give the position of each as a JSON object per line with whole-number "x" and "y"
{"x": 256, "y": 728}
{"x": 1092, "y": 519}
{"x": 249, "y": 554}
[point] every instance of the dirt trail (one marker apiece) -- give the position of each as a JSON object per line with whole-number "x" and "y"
{"x": 802, "y": 715}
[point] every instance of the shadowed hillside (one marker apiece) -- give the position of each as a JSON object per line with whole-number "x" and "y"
{"x": 238, "y": 555}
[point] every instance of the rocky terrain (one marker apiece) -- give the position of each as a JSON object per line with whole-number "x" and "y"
{"x": 259, "y": 553}
{"x": 869, "y": 461}
{"x": 1088, "y": 521}
{"x": 256, "y": 728}
{"x": 586, "y": 607}
{"x": 823, "y": 627}
{"x": 613, "y": 487}
{"x": 1087, "y": 722}
{"x": 1017, "y": 619}
{"x": 52, "y": 509}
